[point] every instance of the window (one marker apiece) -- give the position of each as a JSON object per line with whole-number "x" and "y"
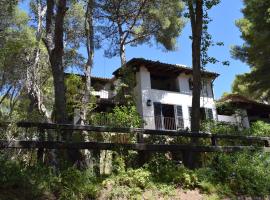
{"x": 205, "y": 113}
{"x": 209, "y": 113}
{"x": 164, "y": 83}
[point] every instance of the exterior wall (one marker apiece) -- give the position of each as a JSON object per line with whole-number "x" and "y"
{"x": 103, "y": 94}
{"x": 228, "y": 119}
{"x": 182, "y": 98}
{"x": 144, "y": 94}
{"x": 237, "y": 119}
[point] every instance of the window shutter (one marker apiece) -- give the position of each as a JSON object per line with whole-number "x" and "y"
{"x": 189, "y": 112}
{"x": 158, "y": 117}
{"x": 210, "y": 114}
{"x": 157, "y": 109}
{"x": 179, "y": 117}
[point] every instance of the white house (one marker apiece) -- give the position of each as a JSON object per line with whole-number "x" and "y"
{"x": 164, "y": 93}
{"x": 164, "y": 97}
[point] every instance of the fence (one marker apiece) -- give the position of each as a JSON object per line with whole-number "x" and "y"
{"x": 43, "y": 141}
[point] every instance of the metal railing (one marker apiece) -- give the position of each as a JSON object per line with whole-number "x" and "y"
{"x": 103, "y": 94}
{"x": 148, "y": 122}
{"x": 164, "y": 123}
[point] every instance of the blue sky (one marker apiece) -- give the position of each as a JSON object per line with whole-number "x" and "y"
{"x": 222, "y": 28}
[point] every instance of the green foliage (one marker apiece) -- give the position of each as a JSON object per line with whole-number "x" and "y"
{"x": 219, "y": 128}
{"x": 74, "y": 94}
{"x": 167, "y": 171}
{"x": 127, "y": 184}
{"x": 126, "y": 85}
{"x": 260, "y": 128}
{"x": 155, "y": 19}
{"x": 245, "y": 173}
{"x": 255, "y": 32}
{"x": 126, "y": 116}
{"x": 68, "y": 184}
{"x": 75, "y": 184}
{"x": 121, "y": 116}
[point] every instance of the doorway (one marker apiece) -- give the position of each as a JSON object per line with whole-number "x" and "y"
{"x": 164, "y": 116}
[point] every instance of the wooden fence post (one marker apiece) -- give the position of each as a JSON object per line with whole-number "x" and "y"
{"x": 214, "y": 141}
{"x": 40, "y": 152}
{"x": 267, "y": 143}
{"x": 142, "y": 155}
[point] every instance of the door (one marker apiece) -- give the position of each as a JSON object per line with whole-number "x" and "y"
{"x": 164, "y": 116}
{"x": 168, "y": 117}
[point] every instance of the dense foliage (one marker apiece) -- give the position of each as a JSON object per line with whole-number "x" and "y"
{"x": 226, "y": 175}
{"x": 37, "y": 47}
{"x": 254, "y": 27}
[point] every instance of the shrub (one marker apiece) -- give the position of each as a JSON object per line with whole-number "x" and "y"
{"x": 260, "y": 128}
{"x": 167, "y": 171}
{"x": 131, "y": 178}
{"x": 76, "y": 185}
{"x": 219, "y": 128}
{"x": 127, "y": 185}
{"x": 245, "y": 173}
{"x": 36, "y": 180}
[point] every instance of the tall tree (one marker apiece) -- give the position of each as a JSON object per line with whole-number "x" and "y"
{"x": 34, "y": 68}
{"x": 201, "y": 41}
{"x": 90, "y": 47}
{"x": 242, "y": 85}
{"x": 196, "y": 20}
{"x": 7, "y": 9}
{"x": 55, "y": 14}
{"x": 16, "y": 49}
{"x": 255, "y": 29}
{"x": 125, "y": 22}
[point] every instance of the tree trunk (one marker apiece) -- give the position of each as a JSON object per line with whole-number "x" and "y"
{"x": 90, "y": 56}
{"x": 33, "y": 88}
{"x": 122, "y": 48}
{"x": 196, "y": 24}
{"x": 56, "y": 60}
{"x": 123, "y": 54}
{"x": 192, "y": 159}
{"x": 55, "y": 46}
{"x": 89, "y": 31}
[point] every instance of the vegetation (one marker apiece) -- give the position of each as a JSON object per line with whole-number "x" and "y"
{"x": 37, "y": 48}
{"x": 225, "y": 175}
{"x": 254, "y": 27}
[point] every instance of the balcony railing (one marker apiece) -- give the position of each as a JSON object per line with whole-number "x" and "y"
{"x": 103, "y": 94}
{"x": 164, "y": 123}
{"x": 150, "y": 122}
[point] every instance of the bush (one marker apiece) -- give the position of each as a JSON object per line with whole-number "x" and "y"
{"x": 245, "y": 173}
{"x": 167, "y": 171}
{"x": 131, "y": 178}
{"x": 127, "y": 184}
{"x": 219, "y": 128}
{"x": 260, "y": 128}
{"x": 37, "y": 180}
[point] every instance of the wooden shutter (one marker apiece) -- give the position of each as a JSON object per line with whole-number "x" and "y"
{"x": 158, "y": 115}
{"x": 209, "y": 113}
{"x": 179, "y": 117}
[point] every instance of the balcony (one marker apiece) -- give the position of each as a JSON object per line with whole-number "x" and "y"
{"x": 164, "y": 123}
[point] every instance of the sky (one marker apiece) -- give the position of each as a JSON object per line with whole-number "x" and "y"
{"x": 222, "y": 29}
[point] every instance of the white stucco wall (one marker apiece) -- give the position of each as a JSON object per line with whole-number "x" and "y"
{"x": 240, "y": 119}
{"x": 228, "y": 119}
{"x": 183, "y": 98}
